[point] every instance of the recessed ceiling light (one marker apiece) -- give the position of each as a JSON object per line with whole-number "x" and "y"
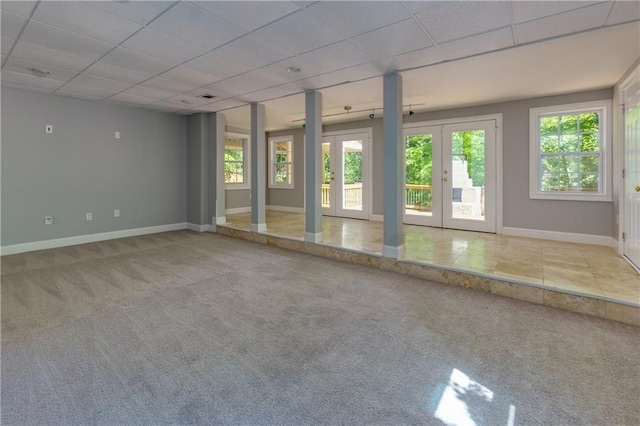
{"x": 293, "y": 69}
{"x": 39, "y": 73}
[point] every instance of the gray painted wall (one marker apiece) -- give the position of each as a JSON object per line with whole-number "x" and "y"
{"x": 584, "y": 217}
{"x": 82, "y": 168}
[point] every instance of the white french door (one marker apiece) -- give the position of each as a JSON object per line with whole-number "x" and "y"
{"x": 450, "y": 176}
{"x": 345, "y": 181}
{"x": 631, "y": 222}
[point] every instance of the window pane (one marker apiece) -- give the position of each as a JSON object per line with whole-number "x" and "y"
{"x": 590, "y": 164}
{"x": 549, "y": 165}
{"x": 589, "y": 122}
{"x": 549, "y": 144}
{"x": 590, "y": 142}
{"x": 234, "y": 149}
{"x": 234, "y": 172}
{"x": 283, "y": 173}
{"x": 590, "y": 182}
{"x": 549, "y": 125}
{"x": 569, "y": 124}
{"x": 569, "y": 143}
{"x": 549, "y": 182}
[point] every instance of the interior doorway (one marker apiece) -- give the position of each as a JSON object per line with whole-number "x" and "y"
{"x": 346, "y": 174}
{"x": 450, "y": 175}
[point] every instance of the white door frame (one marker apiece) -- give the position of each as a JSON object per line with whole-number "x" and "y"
{"x": 367, "y": 175}
{"x": 618, "y": 161}
{"x": 499, "y": 165}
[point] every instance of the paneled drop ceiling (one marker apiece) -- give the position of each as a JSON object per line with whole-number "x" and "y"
{"x": 166, "y": 55}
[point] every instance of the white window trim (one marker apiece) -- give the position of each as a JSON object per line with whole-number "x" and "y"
{"x": 247, "y": 161}
{"x": 272, "y": 145}
{"x": 606, "y": 158}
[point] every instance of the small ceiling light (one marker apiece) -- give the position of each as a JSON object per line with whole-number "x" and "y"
{"x": 372, "y": 115}
{"x": 410, "y": 111}
{"x": 39, "y": 73}
{"x": 293, "y": 69}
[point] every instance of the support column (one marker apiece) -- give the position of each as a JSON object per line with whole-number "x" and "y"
{"x": 393, "y": 193}
{"x": 258, "y": 169}
{"x": 217, "y": 205}
{"x": 312, "y": 167}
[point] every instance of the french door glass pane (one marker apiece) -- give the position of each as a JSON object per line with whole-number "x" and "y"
{"x": 326, "y": 175}
{"x": 467, "y": 174}
{"x": 418, "y": 175}
{"x": 352, "y": 175}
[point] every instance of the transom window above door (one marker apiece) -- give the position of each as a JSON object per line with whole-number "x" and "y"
{"x": 569, "y": 152}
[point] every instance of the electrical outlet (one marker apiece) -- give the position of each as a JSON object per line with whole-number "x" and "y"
{"x": 89, "y": 216}
{"x": 117, "y": 135}
{"x": 48, "y": 128}
{"x": 116, "y": 213}
{"x": 48, "y": 220}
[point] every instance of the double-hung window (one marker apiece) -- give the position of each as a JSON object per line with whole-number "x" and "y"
{"x": 236, "y": 161}
{"x": 281, "y": 162}
{"x": 570, "y": 152}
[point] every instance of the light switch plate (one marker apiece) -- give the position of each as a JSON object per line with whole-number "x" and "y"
{"x": 117, "y": 135}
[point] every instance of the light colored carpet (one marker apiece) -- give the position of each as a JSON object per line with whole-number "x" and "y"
{"x": 180, "y": 328}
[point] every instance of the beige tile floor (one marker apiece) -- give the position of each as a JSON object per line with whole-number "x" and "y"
{"x": 583, "y": 268}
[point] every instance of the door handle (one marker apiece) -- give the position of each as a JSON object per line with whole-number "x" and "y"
{"x": 638, "y": 188}
{"x": 444, "y": 179}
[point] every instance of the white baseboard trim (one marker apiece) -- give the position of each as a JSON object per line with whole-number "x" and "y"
{"x": 238, "y": 210}
{"x": 198, "y": 228}
{"x": 313, "y": 237}
{"x": 570, "y": 237}
{"x": 258, "y": 227}
{"x": 286, "y": 209}
{"x": 90, "y": 238}
{"x": 377, "y": 218}
{"x": 392, "y": 251}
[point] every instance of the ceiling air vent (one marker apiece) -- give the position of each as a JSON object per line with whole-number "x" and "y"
{"x": 208, "y": 96}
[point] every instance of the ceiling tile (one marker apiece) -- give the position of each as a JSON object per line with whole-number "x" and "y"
{"x": 393, "y": 40}
{"x": 11, "y": 25}
{"x": 22, "y": 66}
{"x": 249, "y": 82}
{"x": 450, "y": 20}
{"x": 147, "y": 92}
{"x": 54, "y": 38}
{"x": 624, "y": 11}
{"x": 329, "y": 58}
{"x": 137, "y": 11}
{"x": 73, "y": 89}
{"x": 162, "y": 46}
{"x": 24, "y": 87}
{"x": 7, "y": 44}
{"x": 102, "y": 69}
{"x": 564, "y": 23}
{"x": 49, "y": 57}
{"x": 186, "y": 101}
{"x": 417, "y": 58}
{"x": 131, "y": 99}
{"x": 190, "y": 76}
{"x": 197, "y": 93}
{"x": 271, "y": 93}
{"x": 249, "y": 15}
{"x": 350, "y": 18}
{"x": 195, "y": 25}
{"x": 168, "y": 84}
{"x": 100, "y": 83}
{"x": 22, "y": 8}
{"x": 85, "y": 20}
{"x": 524, "y": 11}
{"x": 242, "y": 55}
{"x": 221, "y": 105}
{"x": 356, "y": 73}
{"x": 297, "y": 33}
{"x": 30, "y": 80}
{"x": 77, "y": 95}
{"x": 481, "y": 43}
{"x": 162, "y": 107}
{"x": 139, "y": 62}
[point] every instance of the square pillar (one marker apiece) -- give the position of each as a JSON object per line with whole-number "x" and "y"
{"x": 313, "y": 167}
{"x": 258, "y": 169}
{"x": 217, "y": 206}
{"x": 393, "y": 191}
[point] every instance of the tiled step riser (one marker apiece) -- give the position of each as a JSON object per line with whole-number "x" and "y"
{"x": 547, "y": 297}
